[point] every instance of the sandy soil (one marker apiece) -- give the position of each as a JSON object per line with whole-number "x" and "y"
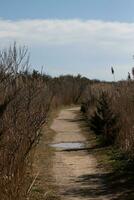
{"x": 75, "y": 172}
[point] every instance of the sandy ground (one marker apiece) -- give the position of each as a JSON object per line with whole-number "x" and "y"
{"x": 75, "y": 172}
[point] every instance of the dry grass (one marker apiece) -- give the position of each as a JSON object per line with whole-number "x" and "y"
{"x": 121, "y": 97}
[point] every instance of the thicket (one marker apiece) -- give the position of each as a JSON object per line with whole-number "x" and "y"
{"x": 109, "y": 108}
{"x": 25, "y": 101}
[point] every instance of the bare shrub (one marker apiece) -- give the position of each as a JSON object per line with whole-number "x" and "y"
{"x": 25, "y": 101}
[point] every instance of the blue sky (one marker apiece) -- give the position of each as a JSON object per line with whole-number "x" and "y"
{"x": 117, "y": 10}
{"x": 72, "y": 36}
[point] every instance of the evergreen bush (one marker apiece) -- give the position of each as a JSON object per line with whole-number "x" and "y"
{"x": 104, "y": 122}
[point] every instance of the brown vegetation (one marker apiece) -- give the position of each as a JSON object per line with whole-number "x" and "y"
{"x": 25, "y": 100}
{"x": 121, "y": 104}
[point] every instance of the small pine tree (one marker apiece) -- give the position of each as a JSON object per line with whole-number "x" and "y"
{"x": 104, "y": 122}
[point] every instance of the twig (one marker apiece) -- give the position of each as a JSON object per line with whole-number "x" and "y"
{"x": 32, "y": 183}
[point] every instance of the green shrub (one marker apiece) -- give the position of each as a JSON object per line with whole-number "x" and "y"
{"x": 104, "y": 121}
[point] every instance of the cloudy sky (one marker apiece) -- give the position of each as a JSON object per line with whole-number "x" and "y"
{"x": 72, "y": 36}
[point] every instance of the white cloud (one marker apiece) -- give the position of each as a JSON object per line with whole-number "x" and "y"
{"x": 106, "y": 41}
{"x": 66, "y": 31}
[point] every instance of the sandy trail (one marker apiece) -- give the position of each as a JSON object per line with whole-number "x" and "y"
{"x": 75, "y": 172}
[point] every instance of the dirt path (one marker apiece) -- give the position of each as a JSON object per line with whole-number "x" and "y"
{"x": 74, "y": 170}
{"x": 71, "y": 165}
